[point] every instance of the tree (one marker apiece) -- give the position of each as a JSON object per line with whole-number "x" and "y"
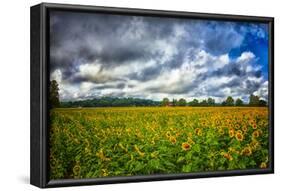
{"x": 262, "y": 103}
{"x": 254, "y": 100}
{"x": 223, "y": 103}
{"x": 175, "y": 102}
{"x": 229, "y": 101}
{"x": 238, "y": 102}
{"x": 204, "y": 103}
{"x": 211, "y": 102}
{"x": 54, "y": 94}
{"x": 165, "y": 101}
{"x": 194, "y": 102}
{"x": 182, "y": 102}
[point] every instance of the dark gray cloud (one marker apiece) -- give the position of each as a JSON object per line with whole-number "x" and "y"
{"x": 149, "y": 57}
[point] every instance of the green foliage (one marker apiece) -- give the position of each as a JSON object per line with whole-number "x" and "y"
{"x": 132, "y": 102}
{"x": 211, "y": 101}
{"x": 194, "y": 102}
{"x": 175, "y": 102}
{"x": 165, "y": 102}
{"x": 110, "y": 102}
{"x": 238, "y": 102}
{"x": 229, "y": 101}
{"x": 203, "y": 103}
{"x": 182, "y": 102}
{"x": 54, "y": 94}
{"x": 254, "y": 100}
{"x": 262, "y": 103}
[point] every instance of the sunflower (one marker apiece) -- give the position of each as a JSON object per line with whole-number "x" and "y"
{"x": 198, "y": 131}
{"x": 244, "y": 128}
{"x": 239, "y": 136}
{"x": 231, "y": 133}
{"x": 263, "y": 165}
{"x": 254, "y": 126}
{"x": 227, "y": 156}
{"x": 232, "y": 150}
{"x": 173, "y": 139}
{"x": 247, "y": 151}
{"x": 239, "y": 131}
{"x": 185, "y": 146}
{"x": 255, "y": 134}
{"x": 168, "y": 134}
{"x": 101, "y": 155}
{"x": 139, "y": 151}
{"x": 254, "y": 144}
{"x": 221, "y": 131}
{"x": 76, "y": 169}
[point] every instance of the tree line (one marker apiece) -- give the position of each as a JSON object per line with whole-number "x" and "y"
{"x": 229, "y": 101}
{"x": 122, "y": 102}
{"x": 110, "y": 102}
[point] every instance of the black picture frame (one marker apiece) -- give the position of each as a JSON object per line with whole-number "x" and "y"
{"x": 39, "y": 94}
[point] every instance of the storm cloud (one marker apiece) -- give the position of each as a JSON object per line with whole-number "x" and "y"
{"x": 93, "y": 55}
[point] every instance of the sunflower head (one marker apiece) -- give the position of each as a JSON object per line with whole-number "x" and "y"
{"x": 247, "y": 151}
{"x": 255, "y": 134}
{"x": 227, "y": 156}
{"x": 231, "y": 133}
{"x": 254, "y": 144}
{"x": 168, "y": 134}
{"x": 221, "y": 131}
{"x": 76, "y": 169}
{"x": 104, "y": 172}
{"x": 173, "y": 139}
{"x": 263, "y": 165}
{"x": 185, "y": 146}
{"x": 245, "y": 128}
{"x": 239, "y": 136}
{"x": 198, "y": 131}
{"x": 239, "y": 131}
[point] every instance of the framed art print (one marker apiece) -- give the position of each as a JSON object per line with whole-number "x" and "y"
{"x": 127, "y": 95}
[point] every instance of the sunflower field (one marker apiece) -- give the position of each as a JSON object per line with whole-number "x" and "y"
{"x": 128, "y": 141}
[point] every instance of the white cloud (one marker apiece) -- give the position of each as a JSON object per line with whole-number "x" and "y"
{"x": 56, "y": 75}
{"x": 263, "y": 91}
{"x": 245, "y": 57}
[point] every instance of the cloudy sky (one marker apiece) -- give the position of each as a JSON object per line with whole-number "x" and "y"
{"x": 93, "y": 55}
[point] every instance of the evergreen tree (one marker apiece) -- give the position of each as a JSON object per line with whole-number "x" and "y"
{"x": 54, "y": 94}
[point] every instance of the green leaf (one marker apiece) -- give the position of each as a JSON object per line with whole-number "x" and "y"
{"x": 154, "y": 164}
{"x": 196, "y": 148}
{"x": 180, "y": 159}
{"x": 188, "y": 156}
{"x": 138, "y": 166}
{"x": 186, "y": 168}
